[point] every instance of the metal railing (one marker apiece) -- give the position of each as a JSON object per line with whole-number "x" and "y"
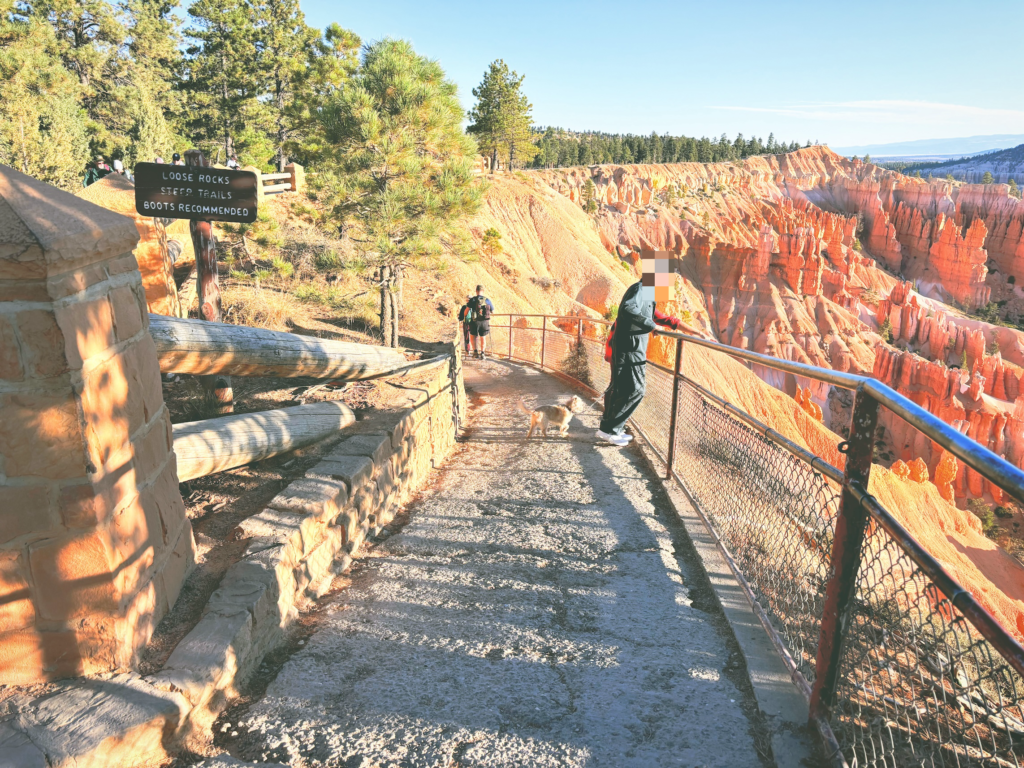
{"x": 899, "y": 663}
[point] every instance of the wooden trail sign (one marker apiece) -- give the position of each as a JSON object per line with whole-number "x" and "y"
{"x": 195, "y": 192}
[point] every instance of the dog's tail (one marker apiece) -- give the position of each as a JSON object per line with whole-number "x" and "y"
{"x": 523, "y": 408}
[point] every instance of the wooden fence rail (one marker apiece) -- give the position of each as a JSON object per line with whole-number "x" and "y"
{"x": 215, "y": 445}
{"x": 203, "y": 348}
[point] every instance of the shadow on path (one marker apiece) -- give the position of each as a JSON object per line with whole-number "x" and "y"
{"x": 539, "y": 609}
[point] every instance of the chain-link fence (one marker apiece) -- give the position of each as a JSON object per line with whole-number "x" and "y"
{"x": 917, "y": 682}
{"x": 919, "y": 685}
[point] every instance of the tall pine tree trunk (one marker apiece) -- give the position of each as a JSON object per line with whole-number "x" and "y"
{"x": 282, "y": 161}
{"x": 388, "y": 305}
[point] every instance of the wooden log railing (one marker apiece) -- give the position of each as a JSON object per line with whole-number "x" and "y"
{"x": 202, "y": 348}
{"x": 226, "y": 442}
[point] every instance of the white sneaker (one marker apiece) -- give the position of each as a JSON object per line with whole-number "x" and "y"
{"x": 629, "y": 437}
{"x": 619, "y": 440}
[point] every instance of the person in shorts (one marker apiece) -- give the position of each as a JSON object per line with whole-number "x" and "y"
{"x": 482, "y": 310}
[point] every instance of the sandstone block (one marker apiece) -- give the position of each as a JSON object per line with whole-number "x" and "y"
{"x": 142, "y": 366}
{"x": 86, "y": 504}
{"x": 42, "y": 343}
{"x": 151, "y": 450}
{"x": 35, "y": 434}
{"x": 105, "y": 406}
{"x": 16, "y": 609}
{"x": 69, "y": 283}
{"x": 10, "y": 363}
{"x": 24, "y": 509}
{"x": 30, "y": 656}
{"x": 347, "y": 522}
{"x": 280, "y": 526}
{"x": 103, "y": 723}
{"x": 209, "y": 658}
{"x": 169, "y": 503}
{"x": 88, "y": 328}
{"x": 135, "y": 546}
{"x": 377, "y": 447}
{"x": 176, "y": 566}
{"x": 127, "y": 312}
{"x": 312, "y": 496}
{"x": 242, "y": 588}
{"x": 122, "y": 264}
{"x": 73, "y": 575}
{"x": 318, "y": 562}
{"x": 353, "y": 470}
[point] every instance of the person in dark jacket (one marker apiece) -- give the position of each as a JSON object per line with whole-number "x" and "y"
{"x": 633, "y": 326}
{"x": 466, "y": 318}
{"x": 95, "y": 171}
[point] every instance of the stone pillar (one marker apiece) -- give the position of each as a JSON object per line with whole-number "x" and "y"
{"x": 94, "y": 540}
{"x": 298, "y": 179}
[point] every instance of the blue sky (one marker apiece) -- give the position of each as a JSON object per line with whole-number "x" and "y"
{"x": 845, "y": 73}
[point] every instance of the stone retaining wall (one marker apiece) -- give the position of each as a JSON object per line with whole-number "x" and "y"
{"x": 307, "y": 534}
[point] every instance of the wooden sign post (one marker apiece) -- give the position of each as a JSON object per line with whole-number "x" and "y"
{"x": 202, "y": 194}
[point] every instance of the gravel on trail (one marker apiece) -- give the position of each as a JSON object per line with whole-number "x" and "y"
{"x": 541, "y": 608}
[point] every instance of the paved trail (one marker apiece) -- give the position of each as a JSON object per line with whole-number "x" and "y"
{"x": 540, "y": 609}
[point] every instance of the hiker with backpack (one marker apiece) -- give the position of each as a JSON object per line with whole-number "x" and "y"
{"x": 466, "y": 318}
{"x": 482, "y": 309}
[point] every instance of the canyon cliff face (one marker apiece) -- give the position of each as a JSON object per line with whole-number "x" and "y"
{"x": 811, "y": 258}
{"x": 806, "y": 257}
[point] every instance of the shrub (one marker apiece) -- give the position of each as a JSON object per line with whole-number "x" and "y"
{"x": 612, "y": 313}
{"x": 886, "y": 330}
{"x": 576, "y": 364}
{"x": 547, "y": 283}
{"x": 284, "y": 268}
{"x": 326, "y": 260}
{"x": 309, "y": 293}
{"x": 491, "y": 244}
{"x": 984, "y": 513}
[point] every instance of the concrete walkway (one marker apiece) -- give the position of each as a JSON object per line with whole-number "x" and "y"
{"x": 541, "y": 608}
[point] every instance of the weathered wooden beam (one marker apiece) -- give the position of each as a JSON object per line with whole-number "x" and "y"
{"x": 203, "y": 348}
{"x": 215, "y": 445}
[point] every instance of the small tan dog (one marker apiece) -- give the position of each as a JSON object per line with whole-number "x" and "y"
{"x": 556, "y": 415}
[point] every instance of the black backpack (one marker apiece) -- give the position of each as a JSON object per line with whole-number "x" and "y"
{"x": 480, "y": 308}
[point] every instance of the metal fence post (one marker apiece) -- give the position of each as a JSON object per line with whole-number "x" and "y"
{"x": 671, "y": 454}
{"x": 846, "y": 553}
{"x": 510, "y": 337}
{"x": 543, "y": 339}
{"x": 579, "y": 331}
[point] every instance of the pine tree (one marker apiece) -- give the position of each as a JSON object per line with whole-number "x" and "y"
{"x": 771, "y": 148}
{"x": 42, "y": 125}
{"x": 154, "y": 70}
{"x": 282, "y": 42}
{"x": 403, "y": 166}
{"x": 589, "y": 193}
{"x": 987, "y": 178}
{"x": 223, "y": 82}
{"x": 89, "y": 38}
{"x": 332, "y": 60}
{"x": 501, "y": 117}
{"x": 1014, "y": 189}
{"x": 867, "y": 158}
